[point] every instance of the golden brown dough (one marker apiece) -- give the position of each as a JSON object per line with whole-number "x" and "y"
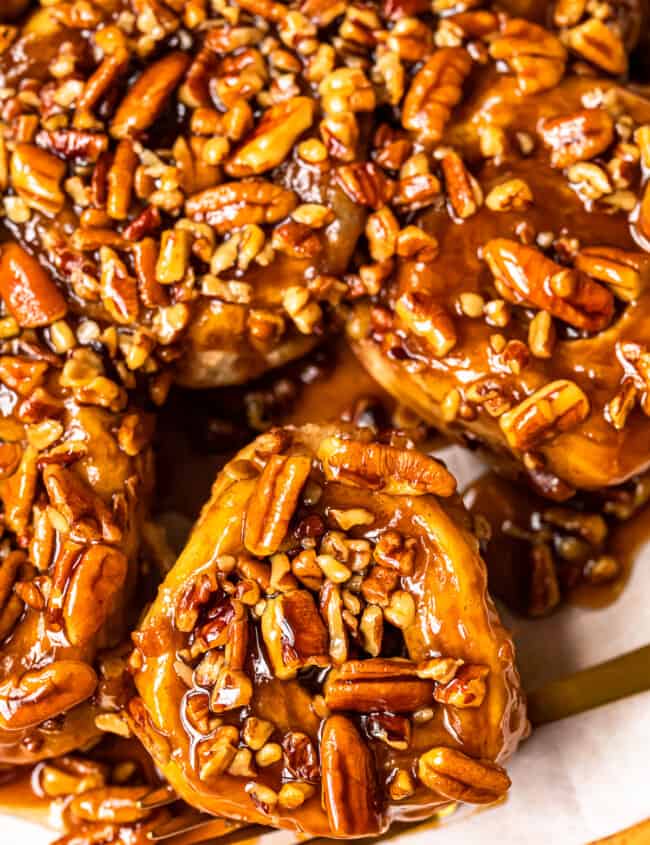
{"x": 324, "y": 656}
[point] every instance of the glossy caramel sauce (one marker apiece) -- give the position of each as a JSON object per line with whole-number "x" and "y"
{"x": 624, "y": 543}
{"x": 19, "y": 798}
{"x": 198, "y": 433}
{"x": 514, "y": 511}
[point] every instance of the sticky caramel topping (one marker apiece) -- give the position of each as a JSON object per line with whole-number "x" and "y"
{"x": 74, "y": 487}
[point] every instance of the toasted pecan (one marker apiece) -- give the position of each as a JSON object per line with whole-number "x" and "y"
{"x": 27, "y": 289}
{"x": 525, "y": 276}
{"x": 386, "y": 468}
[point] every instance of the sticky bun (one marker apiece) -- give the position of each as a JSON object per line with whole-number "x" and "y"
{"x": 513, "y": 307}
{"x": 324, "y": 655}
{"x": 172, "y": 180}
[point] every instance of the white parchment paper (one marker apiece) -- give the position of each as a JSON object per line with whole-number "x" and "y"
{"x": 575, "y": 780}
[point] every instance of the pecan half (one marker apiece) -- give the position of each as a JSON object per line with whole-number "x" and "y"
{"x": 626, "y": 273}
{"x": 599, "y": 44}
{"x": 386, "y": 468}
{"x": 294, "y": 633}
{"x": 97, "y": 579}
{"x": 42, "y": 694}
{"x": 535, "y": 55}
{"x": 11, "y": 605}
{"x": 552, "y": 409}
{"x": 365, "y": 184}
{"x": 110, "y": 804}
{"x": 378, "y": 684}
{"x": 74, "y": 144}
{"x": 87, "y": 515}
{"x": 461, "y": 778}
{"x": 146, "y": 98}
{"x": 434, "y": 91}
{"x": 524, "y": 276}
{"x": 348, "y": 780}
{"x": 274, "y": 502}
{"x": 273, "y": 138}
{"x": 578, "y": 136}
{"x": 236, "y": 203}
{"x": 19, "y": 490}
{"x": 464, "y": 192}
{"x": 29, "y": 293}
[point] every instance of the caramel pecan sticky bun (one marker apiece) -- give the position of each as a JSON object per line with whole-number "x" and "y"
{"x": 74, "y": 465}
{"x": 324, "y": 655}
{"x": 174, "y": 175}
{"x": 515, "y": 308}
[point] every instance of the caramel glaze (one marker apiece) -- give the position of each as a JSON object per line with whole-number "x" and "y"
{"x": 117, "y": 770}
{"x": 454, "y": 616}
{"x": 592, "y": 454}
{"x": 195, "y": 439}
{"x": 515, "y": 515}
{"x": 32, "y": 725}
{"x": 21, "y": 789}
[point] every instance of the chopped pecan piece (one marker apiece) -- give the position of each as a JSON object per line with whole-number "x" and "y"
{"x": 294, "y": 633}
{"x": 120, "y": 180}
{"x": 349, "y": 780}
{"x": 274, "y": 502}
{"x": 524, "y": 276}
{"x": 466, "y": 689}
{"x": 27, "y": 289}
{"x": 385, "y": 468}
{"x": 300, "y": 757}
